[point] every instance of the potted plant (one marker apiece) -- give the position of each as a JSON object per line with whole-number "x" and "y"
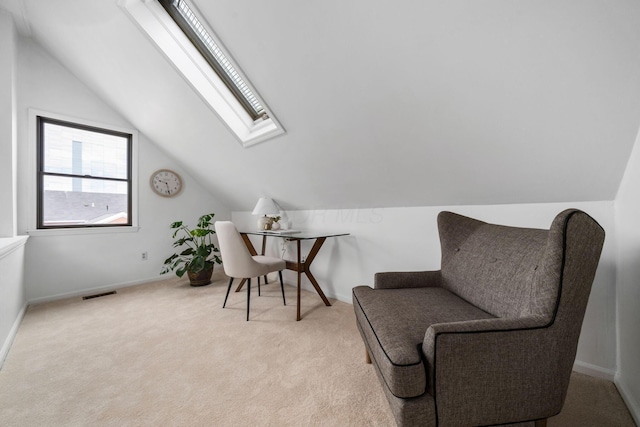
{"x": 275, "y": 225}
{"x": 200, "y": 254}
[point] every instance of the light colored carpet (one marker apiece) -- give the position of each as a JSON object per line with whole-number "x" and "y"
{"x": 592, "y": 402}
{"x": 165, "y": 353}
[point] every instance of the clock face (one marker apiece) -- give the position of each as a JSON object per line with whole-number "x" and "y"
{"x": 166, "y": 183}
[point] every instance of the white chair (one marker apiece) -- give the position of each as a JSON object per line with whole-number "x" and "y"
{"x": 238, "y": 262}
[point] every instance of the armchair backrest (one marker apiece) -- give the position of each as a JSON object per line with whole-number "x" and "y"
{"x": 516, "y": 272}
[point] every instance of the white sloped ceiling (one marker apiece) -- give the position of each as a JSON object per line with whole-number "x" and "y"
{"x": 404, "y": 103}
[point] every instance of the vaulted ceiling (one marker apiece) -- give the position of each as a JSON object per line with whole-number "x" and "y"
{"x": 404, "y": 103}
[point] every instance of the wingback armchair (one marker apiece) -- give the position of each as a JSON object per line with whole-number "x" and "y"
{"x": 491, "y": 337}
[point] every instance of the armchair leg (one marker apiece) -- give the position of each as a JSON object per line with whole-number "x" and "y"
{"x": 248, "y": 296}
{"x": 368, "y": 359}
{"x": 282, "y": 287}
{"x": 228, "y": 289}
{"x": 541, "y": 423}
{"x": 258, "y": 285}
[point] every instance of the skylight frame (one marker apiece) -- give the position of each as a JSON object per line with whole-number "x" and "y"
{"x": 171, "y": 41}
{"x": 189, "y": 20}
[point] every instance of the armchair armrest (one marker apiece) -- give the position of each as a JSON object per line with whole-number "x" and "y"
{"x": 495, "y": 371}
{"x": 407, "y": 279}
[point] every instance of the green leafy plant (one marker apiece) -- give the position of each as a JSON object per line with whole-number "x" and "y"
{"x": 200, "y": 253}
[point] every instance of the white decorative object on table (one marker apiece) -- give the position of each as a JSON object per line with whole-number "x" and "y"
{"x": 264, "y": 207}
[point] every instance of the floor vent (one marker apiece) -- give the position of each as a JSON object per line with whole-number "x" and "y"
{"x": 99, "y": 295}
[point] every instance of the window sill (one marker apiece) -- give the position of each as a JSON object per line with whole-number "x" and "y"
{"x": 81, "y": 231}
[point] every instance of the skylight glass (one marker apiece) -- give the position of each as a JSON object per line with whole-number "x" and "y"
{"x": 187, "y": 20}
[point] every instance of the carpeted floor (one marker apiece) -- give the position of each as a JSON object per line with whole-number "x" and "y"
{"x": 165, "y": 353}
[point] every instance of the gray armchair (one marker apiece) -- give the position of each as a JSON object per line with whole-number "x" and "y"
{"x": 491, "y": 337}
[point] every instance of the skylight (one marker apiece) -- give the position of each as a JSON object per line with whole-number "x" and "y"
{"x": 187, "y": 20}
{"x": 186, "y": 40}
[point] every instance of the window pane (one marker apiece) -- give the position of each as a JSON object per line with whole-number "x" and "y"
{"x": 230, "y": 72}
{"x": 75, "y": 151}
{"x": 81, "y": 201}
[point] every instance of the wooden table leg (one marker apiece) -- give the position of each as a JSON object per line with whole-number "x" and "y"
{"x": 318, "y": 289}
{"x": 249, "y": 245}
{"x": 301, "y": 267}
{"x": 314, "y": 251}
{"x": 242, "y": 282}
{"x": 252, "y": 251}
{"x": 299, "y": 278}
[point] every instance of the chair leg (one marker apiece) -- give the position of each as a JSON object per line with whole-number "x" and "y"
{"x": 258, "y": 285}
{"x": 265, "y": 280}
{"x": 282, "y": 287}
{"x": 248, "y": 296}
{"x": 541, "y": 423}
{"x": 228, "y": 289}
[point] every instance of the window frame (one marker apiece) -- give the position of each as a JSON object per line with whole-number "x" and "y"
{"x": 38, "y": 119}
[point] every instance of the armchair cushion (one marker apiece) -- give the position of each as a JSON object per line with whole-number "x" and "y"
{"x": 395, "y": 322}
{"x": 494, "y": 267}
{"x": 406, "y": 279}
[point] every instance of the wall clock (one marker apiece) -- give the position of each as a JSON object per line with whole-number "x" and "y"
{"x": 166, "y": 182}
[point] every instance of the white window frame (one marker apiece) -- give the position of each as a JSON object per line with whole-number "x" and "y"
{"x": 32, "y": 229}
{"x": 156, "y": 23}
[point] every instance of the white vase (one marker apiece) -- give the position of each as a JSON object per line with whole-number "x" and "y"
{"x": 275, "y": 226}
{"x": 264, "y": 223}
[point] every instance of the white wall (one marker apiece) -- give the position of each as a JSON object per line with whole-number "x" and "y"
{"x": 80, "y": 263}
{"x": 7, "y": 126}
{"x": 12, "y": 298}
{"x": 397, "y": 239}
{"x": 627, "y": 208}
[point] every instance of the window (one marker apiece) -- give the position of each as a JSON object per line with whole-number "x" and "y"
{"x": 186, "y": 18}
{"x": 176, "y": 27}
{"x": 84, "y": 175}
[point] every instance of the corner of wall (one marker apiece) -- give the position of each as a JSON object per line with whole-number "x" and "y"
{"x": 626, "y": 211}
{"x": 632, "y": 404}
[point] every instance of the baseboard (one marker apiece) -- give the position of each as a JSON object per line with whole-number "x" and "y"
{"x": 95, "y": 290}
{"x": 6, "y": 346}
{"x": 632, "y": 404}
{"x": 344, "y": 298}
{"x": 328, "y": 294}
{"x": 594, "y": 371}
